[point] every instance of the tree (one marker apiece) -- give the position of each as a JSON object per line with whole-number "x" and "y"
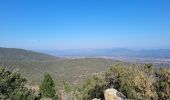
{"x": 47, "y": 87}
{"x": 12, "y": 86}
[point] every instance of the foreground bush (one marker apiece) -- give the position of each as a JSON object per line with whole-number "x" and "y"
{"x": 47, "y": 87}
{"x": 163, "y": 83}
{"x": 139, "y": 82}
{"x": 12, "y": 86}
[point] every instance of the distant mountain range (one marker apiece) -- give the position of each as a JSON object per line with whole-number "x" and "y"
{"x": 152, "y": 53}
{"x": 21, "y": 54}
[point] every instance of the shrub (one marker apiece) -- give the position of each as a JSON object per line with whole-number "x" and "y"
{"x": 132, "y": 82}
{"x": 139, "y": 82}
{"x": 163, "y": 83}
{"x": 47, "y": 87}
{"x": 24, "y": 94}
{"x": 12, "y": 86}
{"x": 67, "y": 87}
{"x": 93, "y": 88}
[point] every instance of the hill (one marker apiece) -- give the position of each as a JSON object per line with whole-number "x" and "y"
{"x": 22, "y": 55}
{"x": 72, "y": 70}
{"x": 33, "y": 65}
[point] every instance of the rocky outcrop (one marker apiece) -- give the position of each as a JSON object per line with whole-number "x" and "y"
{"x": 112, "y": 94}
{"x": 96, "y": 99}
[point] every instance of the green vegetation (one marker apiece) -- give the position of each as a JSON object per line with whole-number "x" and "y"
{"x": 134, "y": 81}
{"x": 74, "y": 71}
{"x": 163, "y": 83}
{"x": 139, "y": 82}
{"x": 67, "y": 87}
{"x": 47, "y": 87}
{"x": 12, "y": 86}
{"x": 8, "y": 54}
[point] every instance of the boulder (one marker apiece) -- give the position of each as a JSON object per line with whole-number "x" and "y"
{"x": 96, "y": 99}
{"x": 113, "y": 94}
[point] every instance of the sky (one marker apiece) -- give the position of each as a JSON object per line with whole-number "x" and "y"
{"x": 82, "y": 24}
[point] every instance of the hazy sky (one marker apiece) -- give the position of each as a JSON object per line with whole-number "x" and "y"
{"x": 72, "y": 24}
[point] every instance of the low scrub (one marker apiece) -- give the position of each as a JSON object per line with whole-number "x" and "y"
{"x": 139, "y": 82}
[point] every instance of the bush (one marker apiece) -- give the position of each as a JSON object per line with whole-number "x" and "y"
{"x": 12, "y": 86}
{"x": 163, "y": 83}
{"x": 24, "y": 94}
{"x": 139, "y": 82}
{"x": 133, "y": 82}
{"x": 47, "y": 87}
{"x": 67, "y": 87}
{"x": 93, "y": 88}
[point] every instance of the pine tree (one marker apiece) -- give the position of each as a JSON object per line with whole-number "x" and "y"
{"x": 47, "y": 87}
{"x": 12, "y": 86}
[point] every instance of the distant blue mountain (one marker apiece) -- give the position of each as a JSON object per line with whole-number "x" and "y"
{"x": 118, "y": 52}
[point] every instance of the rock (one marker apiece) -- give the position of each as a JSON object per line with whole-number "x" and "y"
{"x": 113, "y": 94}
{"x": 96, "y": 99}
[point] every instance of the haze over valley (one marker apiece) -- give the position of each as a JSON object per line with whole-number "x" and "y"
{"x": 156, "y": 56}
{"x": 76, "y": 66}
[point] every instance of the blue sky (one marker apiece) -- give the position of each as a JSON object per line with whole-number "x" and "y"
{"x": 78, "y": 24}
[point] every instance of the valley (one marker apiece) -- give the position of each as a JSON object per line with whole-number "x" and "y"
{"x": 74, "y": 69}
